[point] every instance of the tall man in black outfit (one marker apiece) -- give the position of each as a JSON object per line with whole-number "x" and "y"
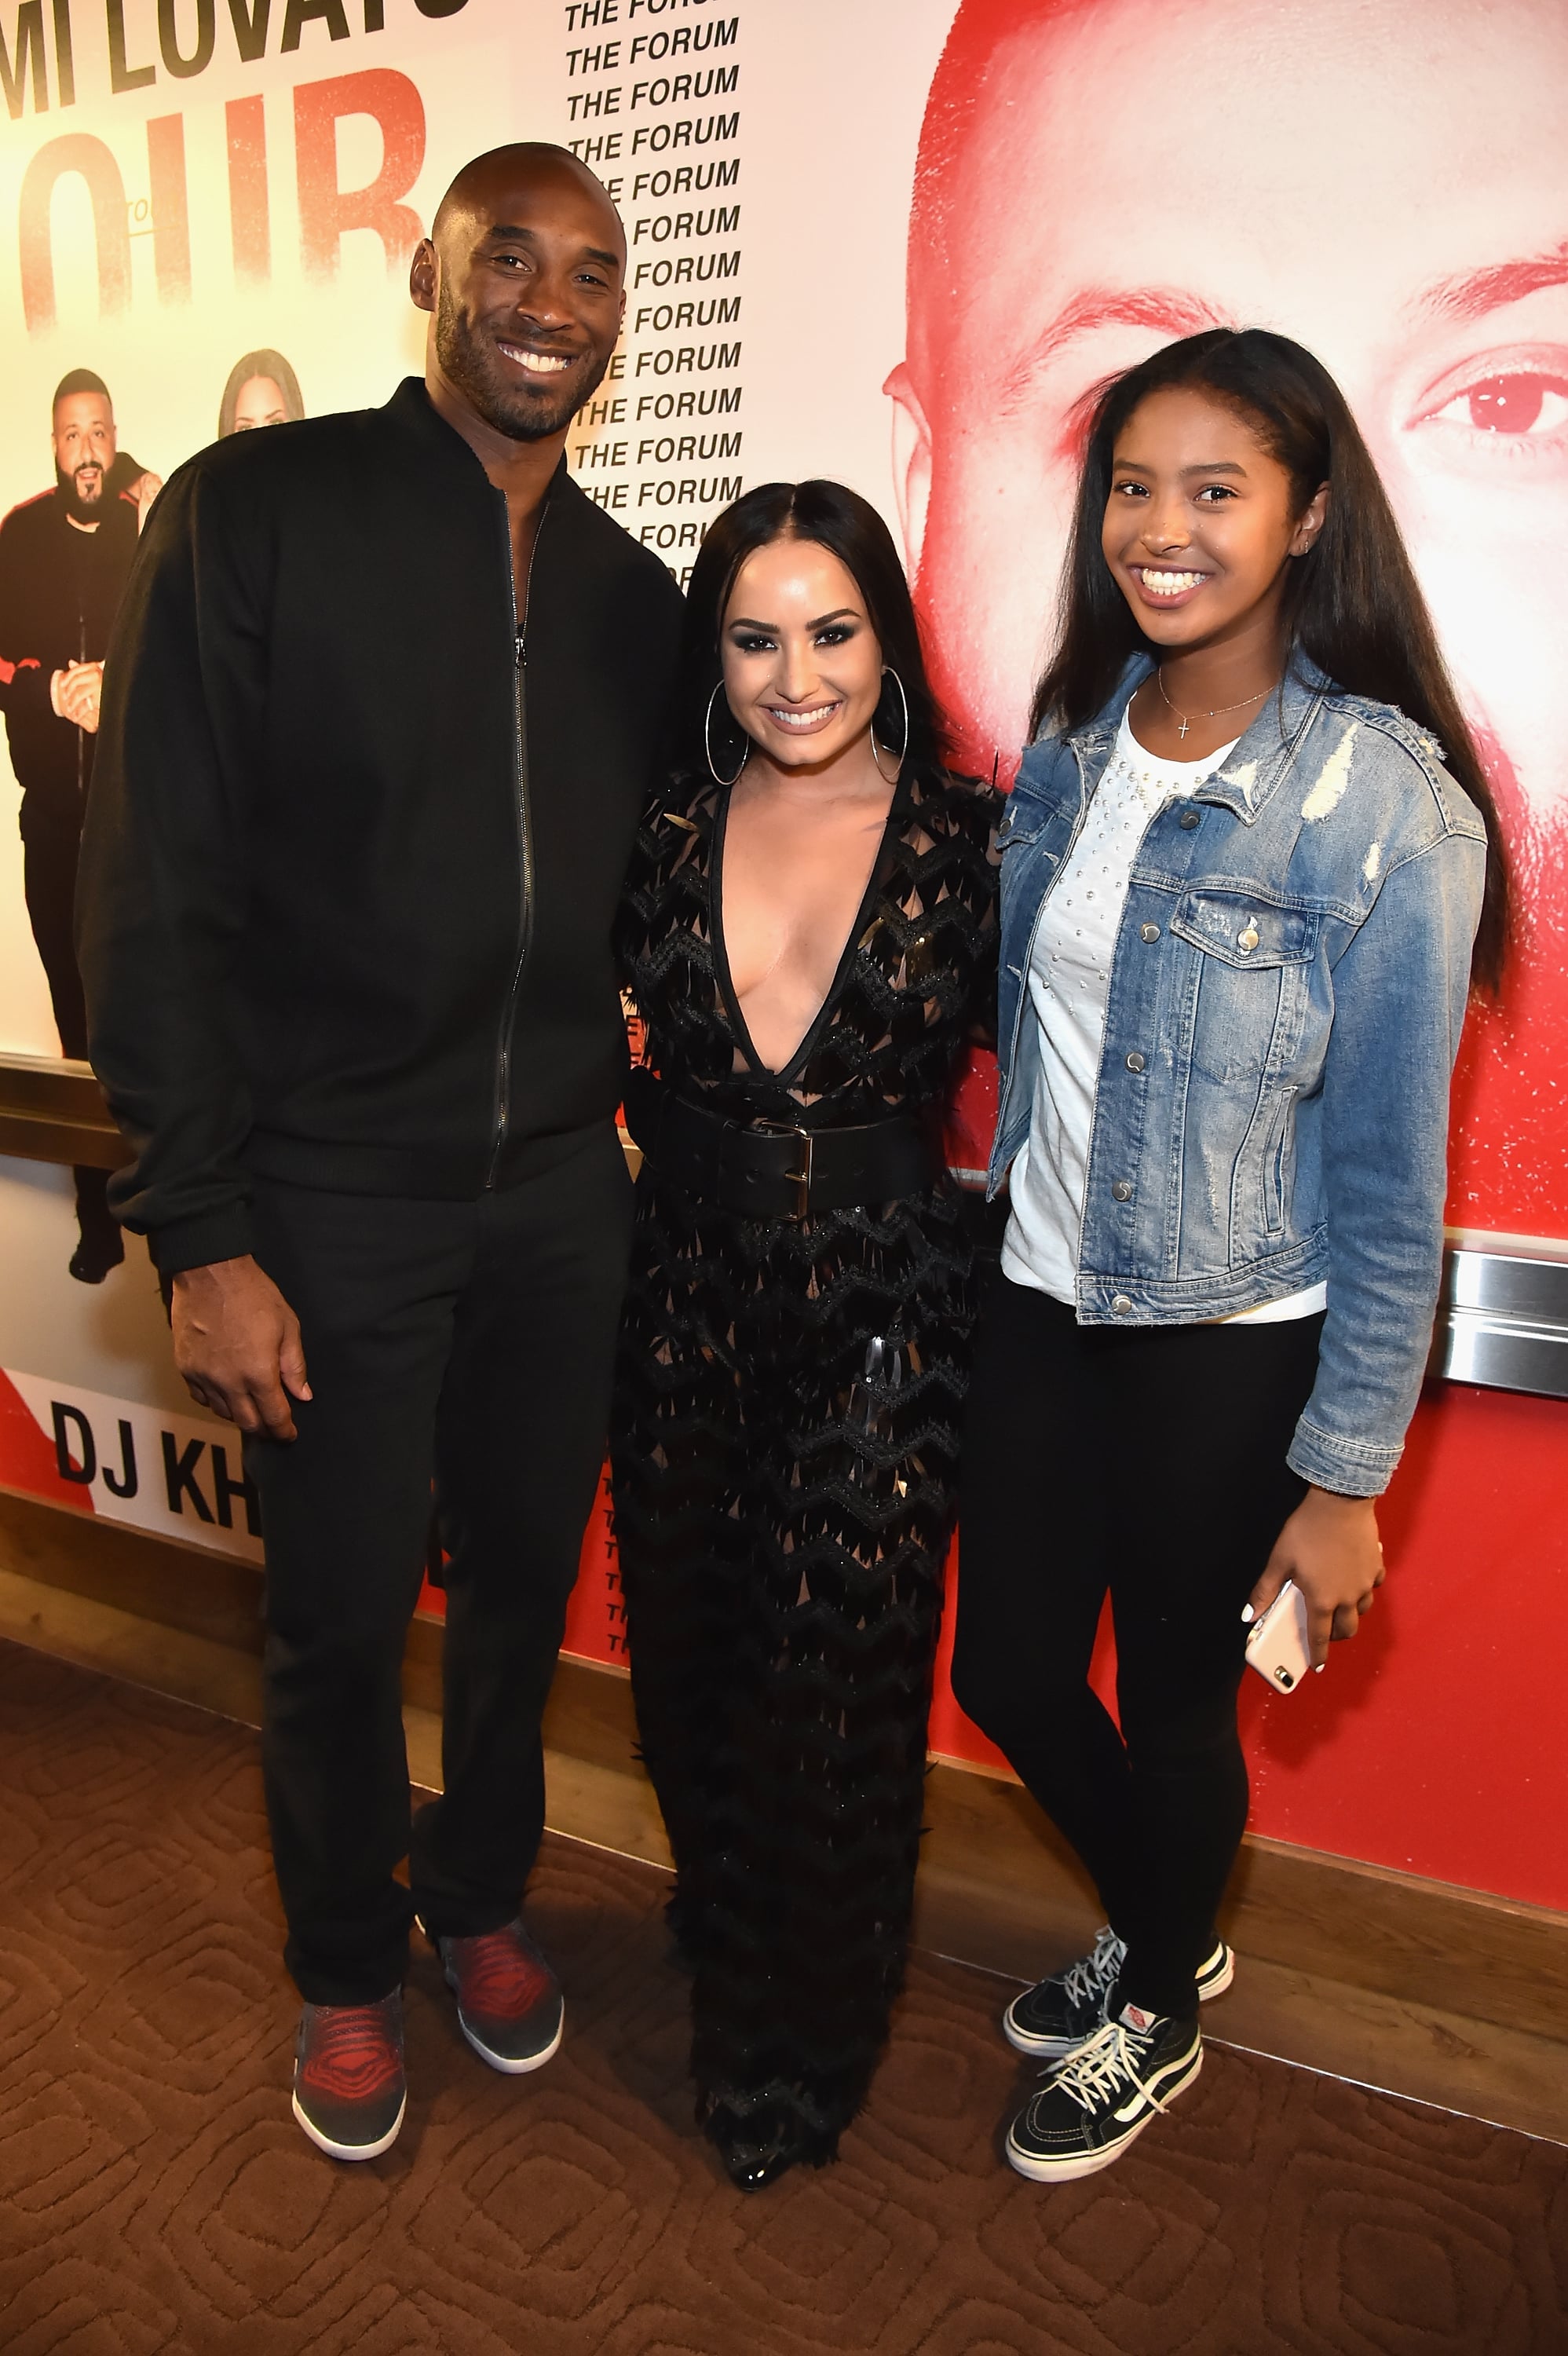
{"x": 64, "y": 560}
{"x": 380, "y": 714}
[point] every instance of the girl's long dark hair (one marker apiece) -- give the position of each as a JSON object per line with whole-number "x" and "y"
{"x": 1352, "y": 603}
{"x": 850, "y": 527}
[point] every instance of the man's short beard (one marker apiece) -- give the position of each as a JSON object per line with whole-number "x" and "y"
{"x": 85, "y": 510}
{"x": 480, "y": 373}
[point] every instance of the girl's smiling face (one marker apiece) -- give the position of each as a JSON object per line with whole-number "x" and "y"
{"x": 1201, "y": 523}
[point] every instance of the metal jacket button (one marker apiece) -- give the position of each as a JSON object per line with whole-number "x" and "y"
{"x": 1123, "y": 1189}
{"x": 1148, "y": 932}
{"x": 1248, "y": 939}
{"x": 1189, "y": 818}
{"x": 1120, "y": 1303}
{"x": 1135, "y": 1062}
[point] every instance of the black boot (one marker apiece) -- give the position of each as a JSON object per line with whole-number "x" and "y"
{"x": 103, "y": 1243}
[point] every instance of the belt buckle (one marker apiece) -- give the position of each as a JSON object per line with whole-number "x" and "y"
{"x": 799, "y": 1179}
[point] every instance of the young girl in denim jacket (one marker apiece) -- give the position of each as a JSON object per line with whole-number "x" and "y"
{"x": 1249, "y": 869}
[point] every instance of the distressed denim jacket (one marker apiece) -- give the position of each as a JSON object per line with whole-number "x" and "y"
{"x": 1285, "y": 1006}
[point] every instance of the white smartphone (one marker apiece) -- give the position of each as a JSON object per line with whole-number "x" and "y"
{"x": 1279, "y": 1645}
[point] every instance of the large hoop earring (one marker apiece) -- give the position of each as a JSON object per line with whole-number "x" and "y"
{"x": 707, "y": 740}
{"x": 888, "y": 672}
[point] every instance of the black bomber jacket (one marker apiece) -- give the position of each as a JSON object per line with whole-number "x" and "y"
{"x": 357, "y": 828}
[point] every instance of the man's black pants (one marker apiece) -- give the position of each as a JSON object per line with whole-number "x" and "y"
{"x": 1148, "y": 1464}
{"x": 48, "y": 882}
{"x": 470, "y": 1343}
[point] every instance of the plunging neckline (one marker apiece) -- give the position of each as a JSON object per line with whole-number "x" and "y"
{"x": 807, "y": 1044}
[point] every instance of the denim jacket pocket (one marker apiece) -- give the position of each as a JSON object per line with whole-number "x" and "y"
{"x": 1252, "y": 979}
{"x": 1022, "y": 822}
{"x": 1245, "y": 931}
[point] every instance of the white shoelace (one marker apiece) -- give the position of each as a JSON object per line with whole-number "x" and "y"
{"x": 1104, "y": 2065}
{"x": 1092, "y": 1974}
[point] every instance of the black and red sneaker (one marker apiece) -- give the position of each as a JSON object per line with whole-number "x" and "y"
{"x": 349, "y": 2090}
{"x": 508, "y": 2000}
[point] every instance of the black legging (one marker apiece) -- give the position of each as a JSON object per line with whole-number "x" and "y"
{"x": 1149, "y": 1462}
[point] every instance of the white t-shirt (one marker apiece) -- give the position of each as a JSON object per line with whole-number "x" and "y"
{"x": 1068, "y": 983}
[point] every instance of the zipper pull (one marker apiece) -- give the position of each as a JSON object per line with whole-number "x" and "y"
{"x": 522, "y": 652}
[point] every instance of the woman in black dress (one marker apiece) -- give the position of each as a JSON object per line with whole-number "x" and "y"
{"x": 796, "y": 1339}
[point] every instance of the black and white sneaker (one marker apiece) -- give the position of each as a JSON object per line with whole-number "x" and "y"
{"x": 1096, "y": 2103}
{"x": 1057, "y": 2014}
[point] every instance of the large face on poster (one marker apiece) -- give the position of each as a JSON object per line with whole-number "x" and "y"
{"x": 1383, "y": 180}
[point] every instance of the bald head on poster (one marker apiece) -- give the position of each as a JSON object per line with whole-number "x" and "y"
{"x": 1380, "y": 179}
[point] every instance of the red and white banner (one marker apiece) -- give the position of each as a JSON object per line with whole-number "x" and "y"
{"x": 171, "y": 1474}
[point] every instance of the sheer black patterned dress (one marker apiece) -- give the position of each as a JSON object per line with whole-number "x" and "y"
{"x": 788, "y": 1403}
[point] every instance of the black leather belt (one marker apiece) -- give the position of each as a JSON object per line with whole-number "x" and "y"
{"x": 767, "y": 1169}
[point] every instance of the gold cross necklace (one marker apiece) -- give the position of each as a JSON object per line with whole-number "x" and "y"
{"x": 1218, "y": 711}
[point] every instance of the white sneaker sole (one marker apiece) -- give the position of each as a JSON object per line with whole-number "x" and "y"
{"x": 1039, "y": 2049}
{"x": 351, "y": 2150}
{"x": 1213, "y": 1978}
{"x": 507, "y": 2066}
{"x": 1073, "y": 2165}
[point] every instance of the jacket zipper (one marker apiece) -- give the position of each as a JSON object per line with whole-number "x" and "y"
{"x": 525, "y": 837}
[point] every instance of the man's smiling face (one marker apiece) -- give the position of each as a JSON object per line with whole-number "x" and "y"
{"x": 1380, "y": 179}
{"x": 530, "y": 265}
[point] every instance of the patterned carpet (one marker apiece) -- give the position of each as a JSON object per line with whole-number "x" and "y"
{"x": 156, "y": 2196}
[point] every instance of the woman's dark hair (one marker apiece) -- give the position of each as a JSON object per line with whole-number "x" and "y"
{"x": 851, "y": 529}
{"x": 1352, "y": 603}
{"x": 263, "y": 363}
